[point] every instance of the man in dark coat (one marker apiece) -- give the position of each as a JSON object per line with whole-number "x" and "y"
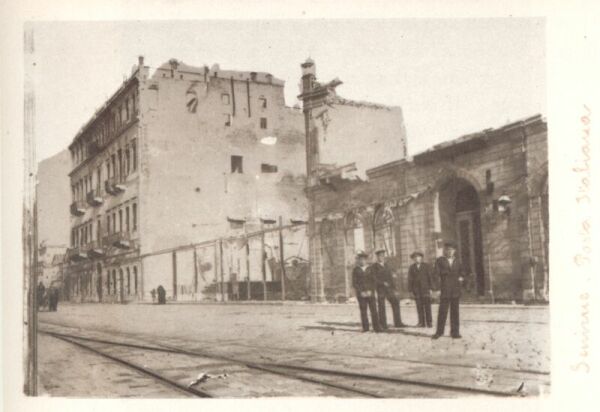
{"x": 41, "y": 291}
{"x": 451, "y": 273}
{"x": 420, "y": 284}
{"x": 162, "y": 295}
{"x": 52, "y": 298}
{"x": 386, "y": 290}
{"x": 363, "y": 282}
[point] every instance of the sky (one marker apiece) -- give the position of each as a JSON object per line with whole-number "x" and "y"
{"x": 450, "y": 76}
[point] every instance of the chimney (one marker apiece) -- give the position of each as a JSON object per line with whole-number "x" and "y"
{"x": 140, "y": 62}
{"x": 253, "y": 76}
{"x": 269, "y": 77}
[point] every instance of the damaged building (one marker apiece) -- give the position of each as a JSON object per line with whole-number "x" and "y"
{"x": 181, "y": 157}
{"x": 486, "y": 191}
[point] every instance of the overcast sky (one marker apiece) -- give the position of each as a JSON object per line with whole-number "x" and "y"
{"x": 451, "y": 77}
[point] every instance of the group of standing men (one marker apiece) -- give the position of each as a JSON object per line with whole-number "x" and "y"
{"x": 374, "y": 284}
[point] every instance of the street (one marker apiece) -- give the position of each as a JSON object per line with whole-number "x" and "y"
{"x": 502, "y": 347}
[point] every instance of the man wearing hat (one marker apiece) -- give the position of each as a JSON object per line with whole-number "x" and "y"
{"x": 386, "y": 290}
{"x": 451, "y": 274}
{"x": 363, "y": 282}
{"x": 420, "y": 283}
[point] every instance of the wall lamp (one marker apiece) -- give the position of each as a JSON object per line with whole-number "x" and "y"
{"x": 503, "y": 204}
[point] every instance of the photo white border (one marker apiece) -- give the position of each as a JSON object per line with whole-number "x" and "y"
{"x": 573, "y": 78}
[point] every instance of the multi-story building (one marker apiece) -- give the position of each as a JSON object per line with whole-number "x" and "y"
{"x": 486, "y": 191}
{"x": 174, "y": 159}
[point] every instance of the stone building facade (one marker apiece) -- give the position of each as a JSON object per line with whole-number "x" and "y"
{"x": 487, "y": 191}
{"x": 174, "y": 158}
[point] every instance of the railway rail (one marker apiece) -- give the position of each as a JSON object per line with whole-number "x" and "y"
{"x": 341, "y": 382}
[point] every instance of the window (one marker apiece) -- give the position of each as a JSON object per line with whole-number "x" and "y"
{"x": 134, "y": 216}
{"x": 262, "y": 102}
{"x": 114, "y": 219}
{"x": 127, "y": 161}
{"x": 127, "y": 108}
{"x": 225, "y": 98}
{"x": 98, "y": 229}
{"x": 134, "y": 104}
{"x": 135, "y": 279}
{"x": 107, "y": 223}
{"x": 114, "y": 281}
{"x": 128, "y": 282}
{"x": 355, "y": 233}
{"x": 127, "y": 219}
{"x": 267, "y": 168}
{"x": 383, "y": 225}
{"x": 120, "y": 220}
{"x": 134, "y": 155}
{"x": 227, "y": 119}
{"x": 113, "y": 159}
{"x": 121, "y": 168}
{"x": 236, "y": 164}
{"x": 98, "y": 180}
{"x": 107, "y": 169}
{"x": 263, "y": 122}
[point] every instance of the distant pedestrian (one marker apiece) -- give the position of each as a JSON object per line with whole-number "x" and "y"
{"x": 364, "y": 285}
{"x": 451, "y": 273}
{"x": 420, "y": 283}
{"x": 52, "y": 298}
{"x": 386, "y": 290}
{"x": 153, "y": 294}
{"x": 162, "y": 295}
{"x": 41, "y": 294}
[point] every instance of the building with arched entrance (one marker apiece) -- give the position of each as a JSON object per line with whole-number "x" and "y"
{"x": 486, "y": 191}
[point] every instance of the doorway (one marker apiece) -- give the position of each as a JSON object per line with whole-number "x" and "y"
{"x": 459, "y": 213}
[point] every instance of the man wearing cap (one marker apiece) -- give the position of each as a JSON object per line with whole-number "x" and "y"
{"x": 451, "y": 274}
{"x": 420, "y": 283}
{"x": 386, "y": 290}
{"x": 363, "y": 282}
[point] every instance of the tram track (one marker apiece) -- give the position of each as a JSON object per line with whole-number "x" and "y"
{"x": 336, "y": 379}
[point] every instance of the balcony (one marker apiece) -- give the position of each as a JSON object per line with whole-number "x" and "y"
{"x": 114, "y": 185}
{"x": 76, "y": 254}
{"x": 77, "y": 208}
{"x": 93, "y": 149}
{"x": 121, "y": 240}
{"x": 94, "y": 198}
{"x": 95, "y": 249}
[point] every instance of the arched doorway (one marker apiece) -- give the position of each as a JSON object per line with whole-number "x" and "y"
{"x": 99, "y": 282}
{"x": 460, "y": 219}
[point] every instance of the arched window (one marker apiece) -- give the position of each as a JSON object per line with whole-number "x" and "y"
{"x": 383, "y": 228}
{"x": 128, "y": 282}
{"x": 355, "y": 232}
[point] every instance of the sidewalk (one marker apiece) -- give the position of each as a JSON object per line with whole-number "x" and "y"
{"x": 403, "y": 303}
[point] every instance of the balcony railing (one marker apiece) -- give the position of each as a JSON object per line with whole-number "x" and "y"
{"x": 77, "y": 208}
{"x": 77, "y": 254}
{"x": 114, "y": 185}
{"x": 93, "y": 149}
{"x": 95, "y": 249}
{"x": 122, "y": 240}
{"x": 94, "y": 198}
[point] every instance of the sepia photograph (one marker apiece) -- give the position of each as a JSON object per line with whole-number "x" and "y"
{"x": 280, "y": 208}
